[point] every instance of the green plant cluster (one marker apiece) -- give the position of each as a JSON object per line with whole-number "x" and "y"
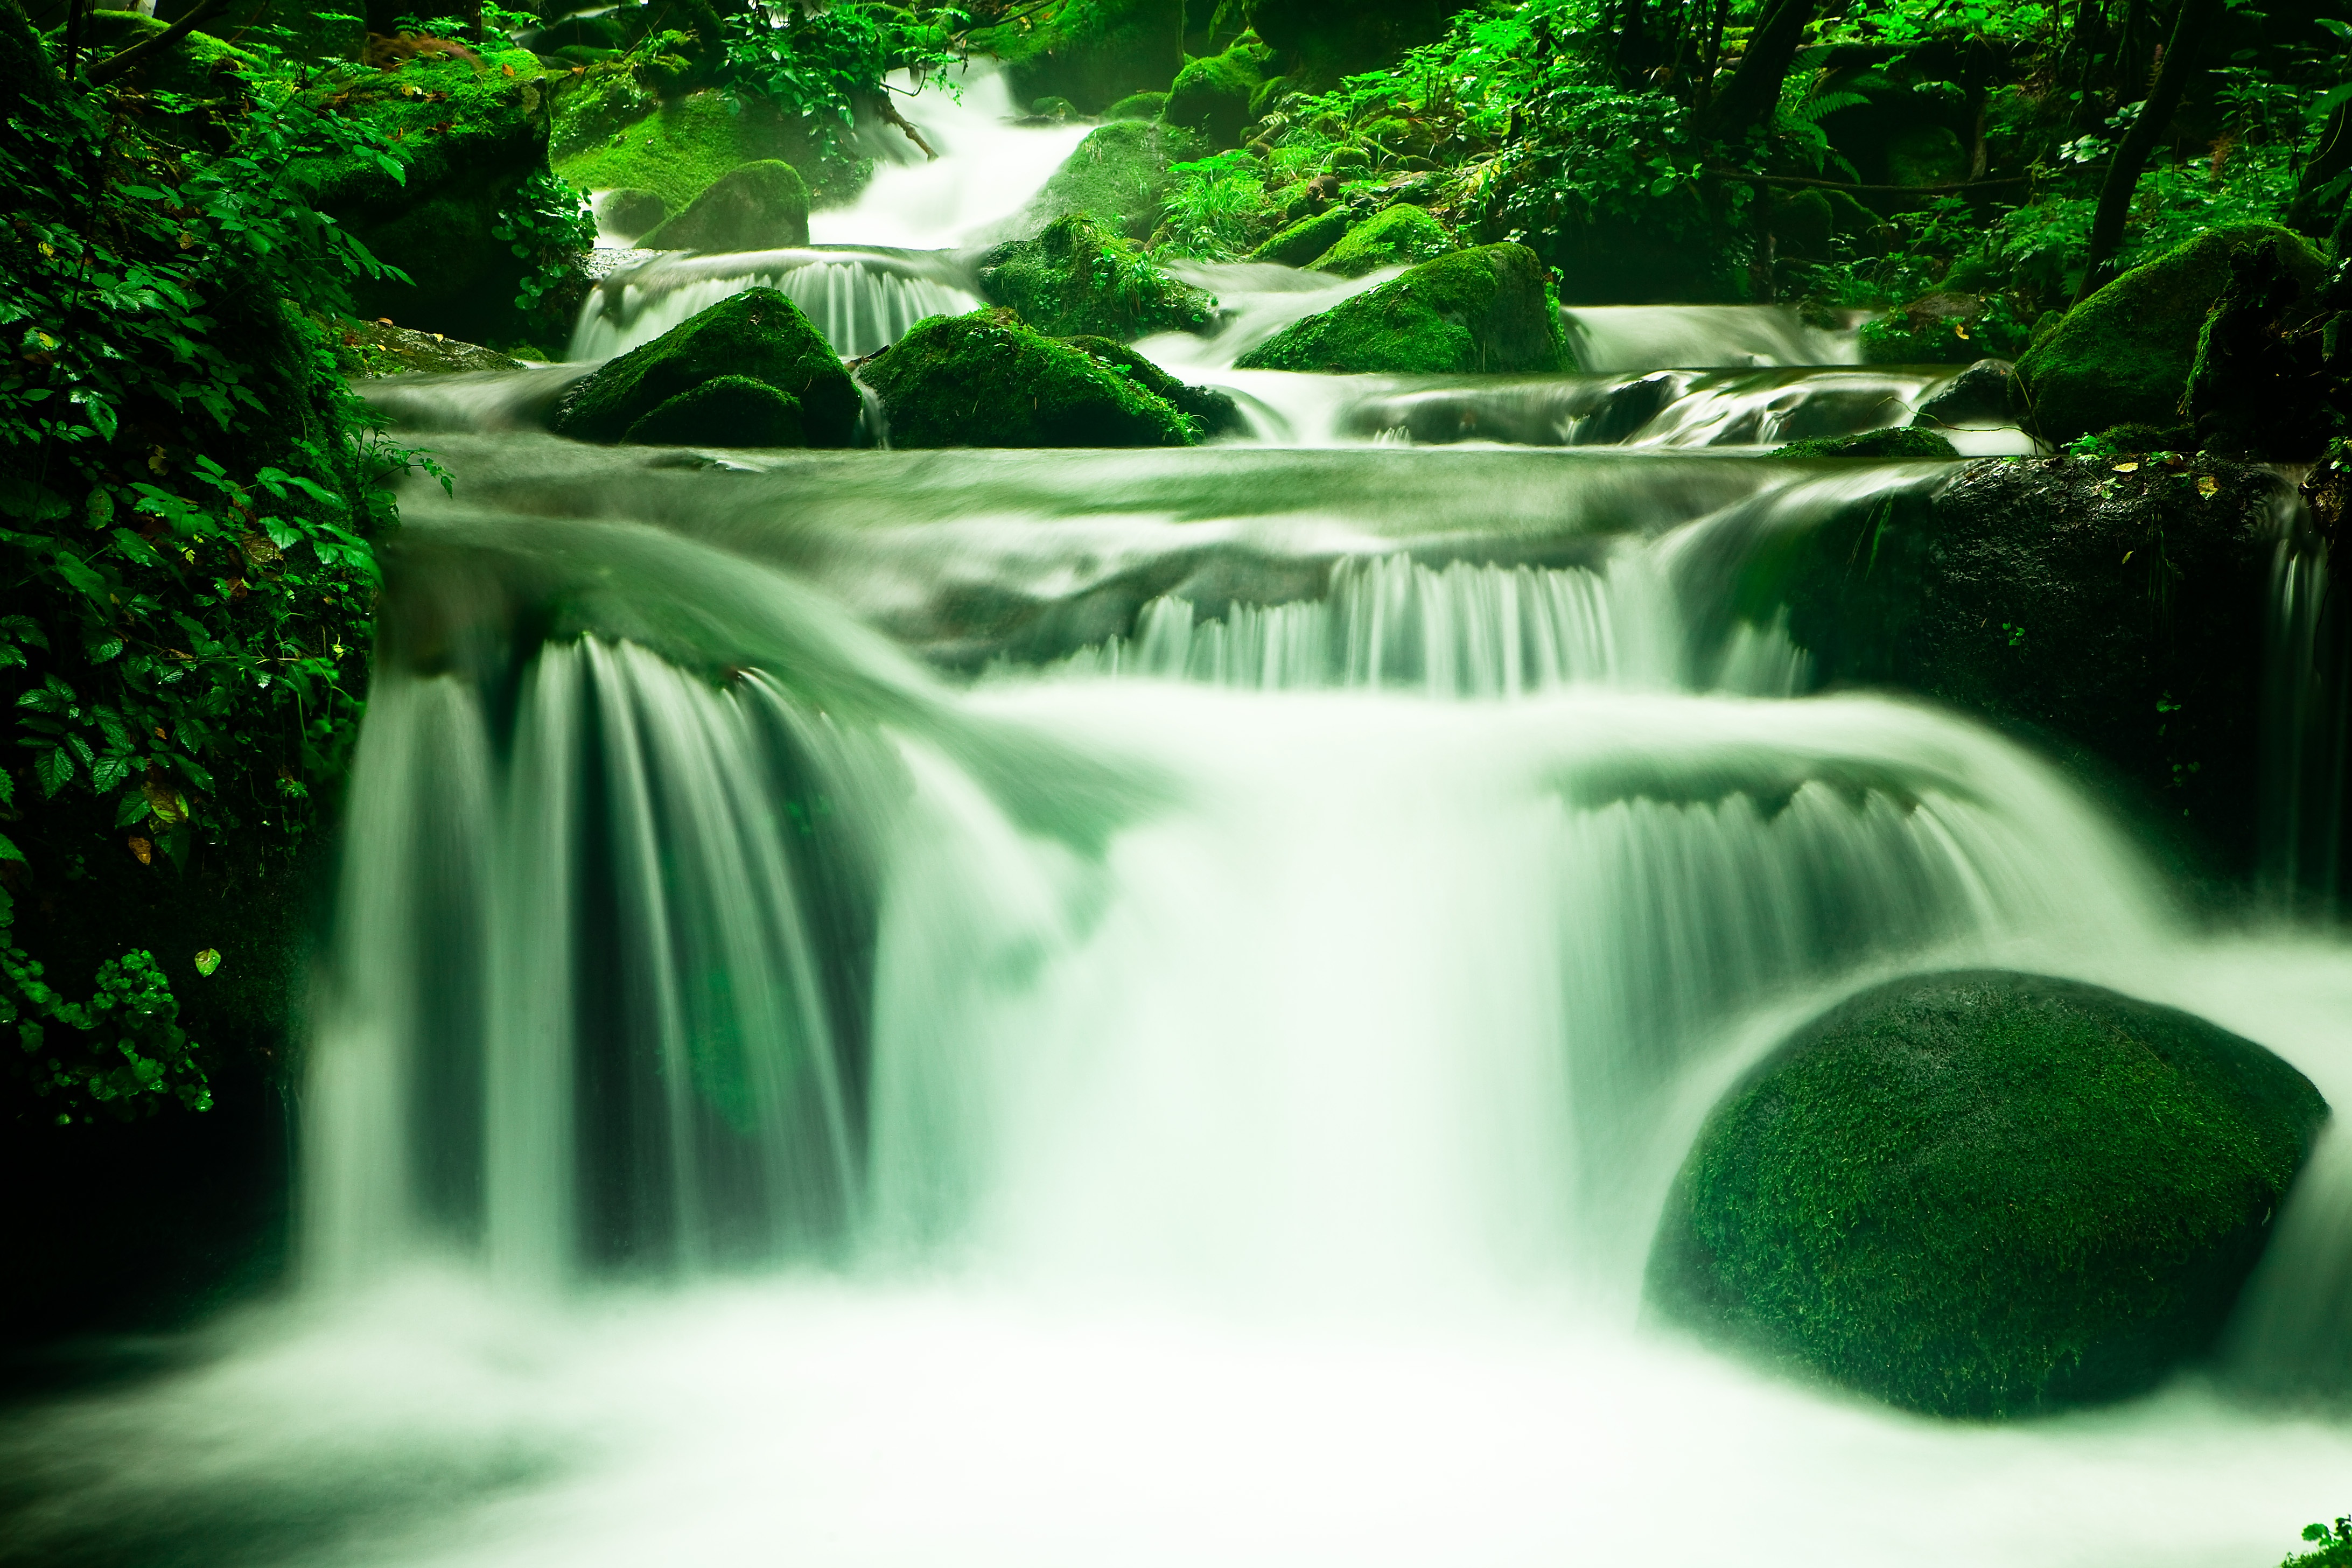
{"x": 819, "y": 65}
{"x": 2331, "y": 1546}
{"x": 547, "y": 224}
{"x": 185, "y": 510}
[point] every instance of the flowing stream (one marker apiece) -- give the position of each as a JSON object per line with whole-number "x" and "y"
{"x": 1139, "y": 1008}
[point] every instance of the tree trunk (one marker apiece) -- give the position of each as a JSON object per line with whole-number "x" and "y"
{"x": 2181, "y": 56}
{"x": 1755, "y": 87}
{"x": 2329, "y": 158}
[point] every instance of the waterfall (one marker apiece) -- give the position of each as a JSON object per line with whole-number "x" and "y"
{"x": 861, "y": 298}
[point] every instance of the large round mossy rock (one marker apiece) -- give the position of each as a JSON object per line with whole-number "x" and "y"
{"x": 2122, "y": 356}
{"x": 1309, "y": 238}
{"x": 758, "y": 335}
{"x": 1483, "y": 310}
{"x": 1985, "y": 1193}
{"x": 762, "y": 205}
{"x": 1400, "y": 236}
{"x": 986, "y": 380}
{"x": 1077, "y": 278}
{"x": 1211, "y": 95}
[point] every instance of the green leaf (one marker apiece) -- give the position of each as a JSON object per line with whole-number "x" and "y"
{"x": 53, "y": 768}
{"x": 34, "y": 503}
{"x": 130, "y": 808}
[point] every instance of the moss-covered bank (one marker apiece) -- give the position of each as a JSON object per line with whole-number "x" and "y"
{"x": 986, "y": 380}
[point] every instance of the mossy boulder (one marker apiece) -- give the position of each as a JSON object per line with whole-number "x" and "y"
{"x": 1117, "y": 176}
{"x": 758, "y": 335}
{"x": 1400, "y": 236}
{"x": 725, "y": 410}
{"x": 1211, "y": 95}
{"x": 1308, "y": 238}
{"x": 1138, "y": 106}
{"x": 2124, "y": 355}
{"x": 762, "y": 206}
{"x": 1214, "y": 410}
{"x": 986, "y": 380}
{"x": 200, "y": 65}
{"x": 630, "y": 213}
{"x": 1907, "y": 442}
{"x": 1985, "y": 1193}
{"x": 1074, "y": 279}
{"x": 614, "y": 135}
{"x": 475, "y": 134}
{"x": 1482, "y": 309}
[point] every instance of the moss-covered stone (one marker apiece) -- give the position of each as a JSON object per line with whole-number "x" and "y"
{"x": 1986, "y": 1195}
{"x": 1074, "y": 279}
{"x": 1138, "y": 106}
{"x": 1308, "y": 238}
{"x": 1211, "y": 95}
{"x": 1400, "y": 236}
{"x": 986, "y": 380}
{"x": 1906, "y": 442}
{"x": 1946, "y": 327}
{"x": 680, "y": 149}
{"x": 1926, "y": 156}
{"x": 1483, "y": 310}
{"x": 758, "y": 335}
{"x": 474, "y": 134}
{"x": 2123, "y": 355}
{"x": 375, "y": 347}
{"x": 1216, "y": 411}
{"x": 630, "y": 213}
{"x": 1117, "y": 176}
{"x": 759, "y": 206}
{"x": 725, "y": 410}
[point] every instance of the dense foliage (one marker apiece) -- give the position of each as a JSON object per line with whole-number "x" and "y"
{"x": 187, "y": 505}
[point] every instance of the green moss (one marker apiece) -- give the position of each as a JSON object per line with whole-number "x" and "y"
{"x": 193, "y": 67}
{"x": 1987, "y": 1195}
{"x": 682, "y": 149}
{"x": 725, "y": 410}
{"x": 371, "y": 348}
{"x": 632, "y": 212}
{"x": 1074, "y": 277}
{"x": 759, "y": 206}
{"x": 1308, "y": 238}
{"x": 1907, "y": 442}
{"x": 1483, "y": 310}
{"x": 1138, "y": 106}
{"x": 1216, "y": 411}
{"x": 1211, "y": 95}
{"x": 1117, "y": 176}
{"x": 1400, "y": 236}
{"x": 2123, "y": 355}
{"x": 758, "y": 335}
{"x": 986, "y": 380}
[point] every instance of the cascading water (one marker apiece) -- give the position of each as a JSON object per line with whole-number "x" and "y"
{"x": 1201, "y": 1089}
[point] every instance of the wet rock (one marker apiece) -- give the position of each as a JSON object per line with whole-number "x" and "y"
{"x": 379, "y": 348}
{"x": 1878, "y": 444}
{"x": 1482, "y": 309}
{"x": 1077, "y": 278}
{"x": 1211, "y": 95}
{"x": 758, "y": 335}
{"x": 1983, "y": 396}
{"x": 1117, "y": 176}
{"x": 1985, "y": 1193}
{"x": 1400, "y": 236}
{"x": 725, "y": 410}
{"x": 1138, "y": 106}
{"x": 2109, "y": 612}
{"x": 758, "y": 206}
{"x": 2123, "y": 355}
{"x": 630, "y": 212}
{"x": 1215, "y": 410}
{"x": 1308, "y": 238}
{"x": 986, "y": 380}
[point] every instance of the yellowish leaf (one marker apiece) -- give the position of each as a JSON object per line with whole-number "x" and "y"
{"x": 2128, "y": 468}
{"x": 144, "y": 850}
{"x": 2206, "y": 484}
{"x": 207, "y": 961}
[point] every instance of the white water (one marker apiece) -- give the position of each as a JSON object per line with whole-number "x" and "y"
{"x": 1274, "y": 1030}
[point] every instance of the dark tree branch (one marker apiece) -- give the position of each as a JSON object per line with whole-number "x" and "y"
{"x": 2181, "y": 58}
{"x": 136, "y": 54}
{"x": 74, "y": 9}
{"x": 1755, "y": 87}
